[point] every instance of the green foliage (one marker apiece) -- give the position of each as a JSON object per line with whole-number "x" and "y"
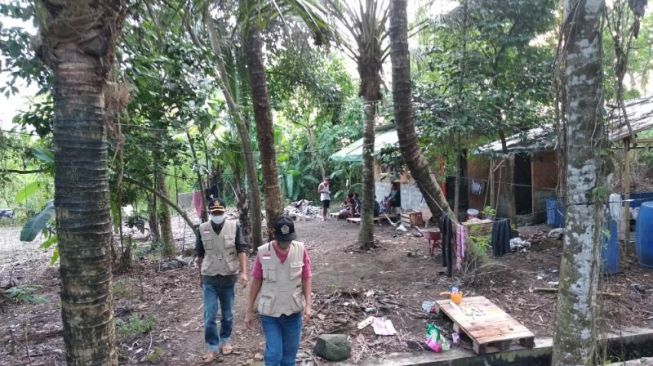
{"x": 25, "y": 294}
{"x": 484, "y": 72}
{"x": 134, "y": 327}
{"x": 157, "y": 355}
{"x": 122, "y": 290}
{"x": 37, "y": 223}
{"x": 390, "y": 156}
{"x": 489, "y": 212}
{"x": 27, "y": 191}
{"x": 476, "y": 255}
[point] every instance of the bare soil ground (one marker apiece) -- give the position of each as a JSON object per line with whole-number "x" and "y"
{"x": 392, "y": 280}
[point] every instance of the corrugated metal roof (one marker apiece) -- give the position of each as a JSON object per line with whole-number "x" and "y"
{"x": 640, "y": 118}
{"x": 541, "y": 138}
{"x": 354, "y": 151}
{"x": 544, "y": 138}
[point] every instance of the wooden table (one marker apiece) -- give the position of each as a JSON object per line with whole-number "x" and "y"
{"x": 489, "y": 328}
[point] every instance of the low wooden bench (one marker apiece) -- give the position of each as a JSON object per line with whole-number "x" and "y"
{"x": 488, "y": 327}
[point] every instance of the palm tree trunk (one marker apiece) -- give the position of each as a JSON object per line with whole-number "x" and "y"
{"x": 366, "y": 233}
{"x": 401, "y": 94}
{"x": 82, "y": 198}
{"x": 243, "y": 132}
{"x": 264, "y": 125}
{"x": 575, "y": 336}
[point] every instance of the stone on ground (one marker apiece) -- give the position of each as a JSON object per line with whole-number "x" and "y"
{"x": 333, "y": 347}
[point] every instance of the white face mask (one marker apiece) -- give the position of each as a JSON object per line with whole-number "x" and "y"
{"x": 217, "y": 219}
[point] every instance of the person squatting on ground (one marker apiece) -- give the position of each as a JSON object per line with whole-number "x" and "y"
{"x": 281, "y": 288}
{"x": 222, "y": 255}
{"x": 324, "y": 189}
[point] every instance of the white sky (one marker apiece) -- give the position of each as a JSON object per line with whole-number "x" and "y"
{"x": 9, "y": 107}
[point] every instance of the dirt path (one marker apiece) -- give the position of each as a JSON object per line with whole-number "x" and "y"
{"x": 390, "y": 281}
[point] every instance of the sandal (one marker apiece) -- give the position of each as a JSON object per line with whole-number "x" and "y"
{"x": 208, "y": 358}
{"x": 227, "y": 349}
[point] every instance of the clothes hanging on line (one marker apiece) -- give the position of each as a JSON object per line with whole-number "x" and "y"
{"x": 501, "y": 235}
{"x": 477, "y": 188}
{"x": 448, "y": 232}
{"x": 198, "y": 205}
{"x": 461, "y": 245}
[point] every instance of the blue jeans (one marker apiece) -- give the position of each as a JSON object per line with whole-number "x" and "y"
{"x": 282, "y": 336}
{"x": 225, "y": 297}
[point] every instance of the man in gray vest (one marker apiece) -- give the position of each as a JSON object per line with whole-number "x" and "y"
{"x": 222, "y": 256}
{"x": 281, "y": 286}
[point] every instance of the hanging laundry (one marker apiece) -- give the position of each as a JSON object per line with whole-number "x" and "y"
{"x": 198, "y": 204}
{"x": 477, "y": 188}
{"x": 461, "y": 245}
{"x": 448, "y": 232}
{"x": 501, "y": 235}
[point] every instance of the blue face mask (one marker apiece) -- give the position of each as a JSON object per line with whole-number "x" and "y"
{"x": 217, "y": 219}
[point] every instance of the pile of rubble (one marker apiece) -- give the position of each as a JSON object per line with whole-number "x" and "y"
{"x": 302, "y": 210}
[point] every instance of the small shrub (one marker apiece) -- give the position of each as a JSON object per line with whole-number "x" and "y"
{"x": 122, "y": 290}
{"x": 489, "y": 212}
{"x": 134, "y": 327}
{"x": 25, "y": 294}
{"x": 156, "y": 356}
{"x": 476, "y": 256}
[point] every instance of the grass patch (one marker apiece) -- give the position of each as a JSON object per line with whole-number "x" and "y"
{"x": 134, "y": 327}
{"x": 122, "y": 290}
{"x": 156, "y": 356}
{"x": 25, "y": 294}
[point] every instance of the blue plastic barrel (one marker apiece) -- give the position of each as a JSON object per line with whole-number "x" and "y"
{"x": 610, "y": 248}
{"x": 551, "y": 211}
{"x": 644, "y": 235}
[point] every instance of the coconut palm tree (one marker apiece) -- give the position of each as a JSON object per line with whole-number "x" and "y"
{"x": 402, "y": 100}
{"x": 365, "y": 27}
{"x": 258, "y": 14}
{"x": 78, "y": 39}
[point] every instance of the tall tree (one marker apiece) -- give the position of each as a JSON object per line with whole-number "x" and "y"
{"x": 78, "y": 39}
{"x": 259, "y": 15}
{"x": 264, "y": 125}
{"x": 230, "y": 84}
{"x": 366, "y": 26}
{"x": 575, "y": 330}
{"x": 401, "y": 96}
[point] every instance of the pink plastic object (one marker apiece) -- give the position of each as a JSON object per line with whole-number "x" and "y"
{"x": 434, "y": 345}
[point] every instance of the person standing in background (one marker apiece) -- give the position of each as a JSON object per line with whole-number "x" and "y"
{"x": 324, "y": 189}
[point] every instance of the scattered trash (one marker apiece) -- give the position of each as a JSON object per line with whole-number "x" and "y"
{"x": 556, "y": 233}
{"x": 302, "y": 210}
{"x": 383, "y": 326}
{"x": 435, "y": 340}
{"x": 455, "y": 338}
{"x": 370, "y": 310}
{"x": 428, "y": 306}
{"x": 553, "y": 283}
{"x": 369, "y": 293}
{"x": 364, "y": 323}
{"x": 519, "y": 243}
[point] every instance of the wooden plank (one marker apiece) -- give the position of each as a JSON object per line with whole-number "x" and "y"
{"x": 487, "y": 325}
{"x": 357, "y": 220}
